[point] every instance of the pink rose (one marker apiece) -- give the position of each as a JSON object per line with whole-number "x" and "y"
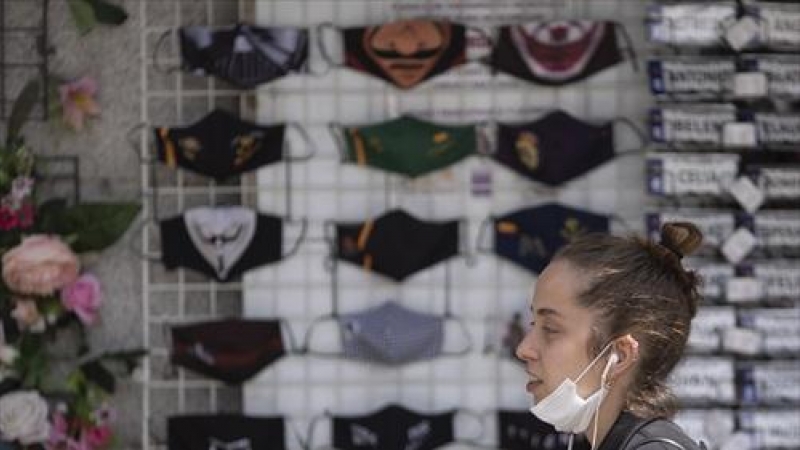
{"x": 97, "y": 436}
{"x": 83, "y": 297}
{"x": 40, "y": 265}
{"x": 27, "y": 315}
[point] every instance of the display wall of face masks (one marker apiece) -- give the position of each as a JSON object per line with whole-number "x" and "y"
{"x": 490, "y": 184}
{"x": 726, "y": 130}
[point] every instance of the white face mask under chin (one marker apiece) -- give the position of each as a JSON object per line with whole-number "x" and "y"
{"x": 569, "y": 412}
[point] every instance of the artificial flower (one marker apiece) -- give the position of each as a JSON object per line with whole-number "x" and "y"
{"x": 40, "y": 265}
{"x": 27, "y": 315}
{"x": 23, "y": 417}
{"x": 77, "y": 101}
{"x": 83, "y": 297}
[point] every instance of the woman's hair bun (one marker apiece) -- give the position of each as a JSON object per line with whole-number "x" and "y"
{"x": 681, "y": 238}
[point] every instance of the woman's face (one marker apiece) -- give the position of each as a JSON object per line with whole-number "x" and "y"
{"x": 557, "y": 344}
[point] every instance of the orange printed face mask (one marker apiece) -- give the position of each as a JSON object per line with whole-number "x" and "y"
{"x": 405, "y": 52}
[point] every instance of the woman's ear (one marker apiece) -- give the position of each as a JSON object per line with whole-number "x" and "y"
{"x": 627, "y": 350}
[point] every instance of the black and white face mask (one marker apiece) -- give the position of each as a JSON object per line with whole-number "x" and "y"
{"x": 244, "y": 55}
{"x": 225, "y": 432}
{"x": 704, "y": 380}
{"x": 393, "y": 428}
{"x": 221, "y": 242}
{"x": 390, "y": 334}
{"x": 698, "y": 24}
{"x": 675, "y": 174}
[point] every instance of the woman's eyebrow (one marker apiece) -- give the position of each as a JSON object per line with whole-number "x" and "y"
{"x": 545, "y": 312}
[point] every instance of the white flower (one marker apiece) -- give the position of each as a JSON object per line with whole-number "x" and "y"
{"x": 23, "y": 417}
{"x": 8, "y": 354}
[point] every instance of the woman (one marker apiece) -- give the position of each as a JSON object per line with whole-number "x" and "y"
{"x": 611, "y": 317}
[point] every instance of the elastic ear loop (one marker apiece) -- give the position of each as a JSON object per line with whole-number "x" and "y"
{"x": 313, "y": 424}
{"x": 463, "y": 229}
{"x": 323, "y": 50}
{"x": 310, "y": 144}
{"x": 643, "y": 139}
{"x": 290, "y": 335}
{"x": 482, "y": 228}
{"x": 295, "y": 432}
{"x": 628, "y": 45}
{"x": 473, "y": 441}
{"x": 448, "y": 315}
{"x": 138, "y": 251}
{"x": 309, "y": 334}
{"x": 337, "y": 133}
{"x": 158, "y": 47}
{"x": 303, "y": 230}
{"x": 130, "y": 137}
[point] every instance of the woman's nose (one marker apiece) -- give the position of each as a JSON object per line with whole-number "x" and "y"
{"x": 526, "y": 350}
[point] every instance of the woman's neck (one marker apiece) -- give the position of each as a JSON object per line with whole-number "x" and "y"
{"x": 610, "y": 409}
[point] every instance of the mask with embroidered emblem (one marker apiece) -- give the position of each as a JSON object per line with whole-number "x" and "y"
{"x": 225, "y": 432}
{"x": 530, "y": 237}
{"x": 408, "y": 146}
{"x": 220, "y": 145}
{"x": 396, "y": 245}
{"x": 229, "y": 350}
{"x": 556, "y": 148}
{"x": 393, "y": 428}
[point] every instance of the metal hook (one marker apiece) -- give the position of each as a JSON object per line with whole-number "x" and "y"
{"x": 307, "y": 138}
{"x": 156, "y": 64}
{"x": 481, "y": 234}
{"x": 136, "y": 232}
{"x": 323, "y": 50}
{"x": 130, "y": 137}
{"x": 303, "y": 230}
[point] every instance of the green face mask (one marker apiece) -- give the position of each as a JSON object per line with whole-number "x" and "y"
{"x": 408, "y": 146}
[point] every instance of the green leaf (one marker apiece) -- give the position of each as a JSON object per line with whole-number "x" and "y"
{"x": 83, "y": 15}
{"x": 21, "y": 110}
{"x": 99, "y": 375}
{"x": 96, "y": 225}
{"x": 107, "y": 13}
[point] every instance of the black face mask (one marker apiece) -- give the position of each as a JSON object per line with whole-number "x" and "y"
{"x": 554, "y": 149}
{"x": 531, "y": 237}
{"x": 225, "y": 432}
{"x": 230, "y": 350}
{"x": 393, "y": 428}
{"x": 404, "y": 52}
{"x": 556, "y": 53}
{"x": 396, "y": 244}
{"x": 521, "y": 430}
{"x": 221, "y": 242}
{"x": 220, "y": 145}
{"x": 244, "y": 55}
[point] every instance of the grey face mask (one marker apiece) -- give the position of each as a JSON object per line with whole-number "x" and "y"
{"x": 390, "y": 334}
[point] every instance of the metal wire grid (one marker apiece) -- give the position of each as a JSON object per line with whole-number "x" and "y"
{"x": 299, "y": 289}
{"x": 173, "y": 98}
{"x": 24, "y": 52}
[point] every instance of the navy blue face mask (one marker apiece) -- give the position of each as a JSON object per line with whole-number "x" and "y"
{"x": 531, "y": 237}
{"x": 556, "y": 148}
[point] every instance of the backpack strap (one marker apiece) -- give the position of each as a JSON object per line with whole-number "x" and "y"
{"x": 622, "y": 432}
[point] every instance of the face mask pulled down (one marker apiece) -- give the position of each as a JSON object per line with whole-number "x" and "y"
{"x": 569, "y": 412}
